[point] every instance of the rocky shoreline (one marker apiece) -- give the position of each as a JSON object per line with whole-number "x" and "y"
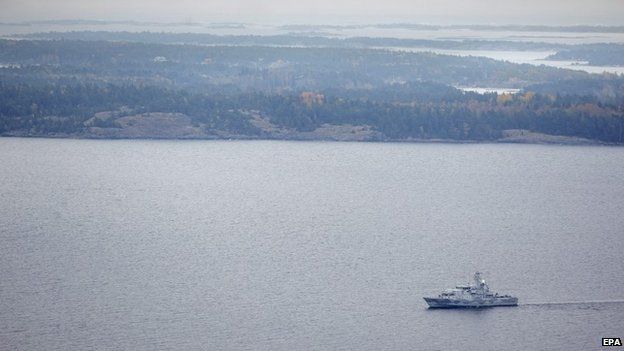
{"x": 176, "y": 126}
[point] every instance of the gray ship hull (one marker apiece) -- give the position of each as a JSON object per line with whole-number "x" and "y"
{"x": 435, "y": 302}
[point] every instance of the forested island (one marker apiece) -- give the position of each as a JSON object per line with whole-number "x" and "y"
{"x": 97, "y": 87}
{"x": 595, "y": 54}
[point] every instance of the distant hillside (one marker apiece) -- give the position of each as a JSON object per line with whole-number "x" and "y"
{"x": 107, "y": 89}
{"x": 90, "y": 111}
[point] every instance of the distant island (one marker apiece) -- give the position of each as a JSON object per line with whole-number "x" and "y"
{"x": 88, "y": 85}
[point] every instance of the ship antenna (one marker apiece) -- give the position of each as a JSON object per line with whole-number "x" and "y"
{"x": 480, "y": 282}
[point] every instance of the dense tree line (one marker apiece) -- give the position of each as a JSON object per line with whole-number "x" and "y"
{"x": 600, "y": 54}
{"x": 56, "y": 87}
{"x": 65, "y": 109}
{"x": 292, "y": 40}
{"x": 259, "y": 68}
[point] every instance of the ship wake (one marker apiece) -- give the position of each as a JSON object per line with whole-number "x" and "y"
{"x": 557, "y": 303}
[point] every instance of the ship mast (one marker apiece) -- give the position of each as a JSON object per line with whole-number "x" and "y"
{"x": 480, "y": 284}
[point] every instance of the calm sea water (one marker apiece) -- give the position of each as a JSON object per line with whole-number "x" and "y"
{"x": 266, "y": 245}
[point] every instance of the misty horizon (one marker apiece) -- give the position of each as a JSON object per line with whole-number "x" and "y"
{"x": 336, "y": 23}
{"x": 448, "y": 12}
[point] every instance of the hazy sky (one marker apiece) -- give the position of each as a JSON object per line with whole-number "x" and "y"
{"x": 324, "y": 11}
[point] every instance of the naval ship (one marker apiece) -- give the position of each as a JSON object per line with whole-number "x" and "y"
{"x": 475, "y": 295}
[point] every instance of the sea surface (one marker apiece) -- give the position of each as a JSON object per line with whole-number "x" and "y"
{"x": 274, "y": 245}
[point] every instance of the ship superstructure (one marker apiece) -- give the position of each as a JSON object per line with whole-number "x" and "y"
{"x": 477, "y": 294}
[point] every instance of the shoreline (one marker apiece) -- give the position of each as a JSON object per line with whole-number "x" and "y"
{"x": 568, "y": 142}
